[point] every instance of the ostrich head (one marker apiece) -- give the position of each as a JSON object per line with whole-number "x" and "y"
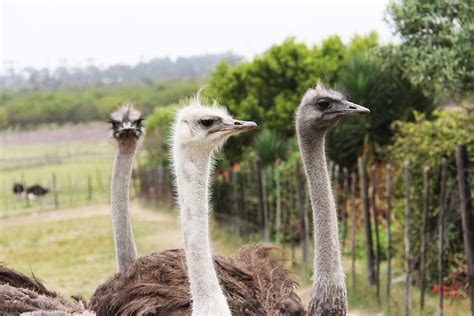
{"x": 201, "y": 130}
{"x": 322, "y": 109}
{"x": 127, "y": 127}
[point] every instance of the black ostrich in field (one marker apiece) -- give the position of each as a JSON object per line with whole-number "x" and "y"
{"x": 35, "y": 191}
{"x": 32, "y": 192}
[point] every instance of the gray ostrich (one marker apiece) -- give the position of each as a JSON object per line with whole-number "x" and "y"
{"x": 127, "y": 130}
{"x": 319, "y": 111}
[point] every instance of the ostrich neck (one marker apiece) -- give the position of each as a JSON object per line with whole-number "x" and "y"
{"x": 125, "y": 249}
{"x": 327, "y": 256}
{"x": 192, "y": 176}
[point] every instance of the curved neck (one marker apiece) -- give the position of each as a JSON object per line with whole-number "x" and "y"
{"x": 125, "y": 249}
{"x": 327, "y": 256}
{"x": 192, "y": 176}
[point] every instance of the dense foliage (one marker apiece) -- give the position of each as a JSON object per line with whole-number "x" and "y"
{"x": 158, "y": 131}
{"x": 436, "y": 47}
{"x": 379, "y": 85}
{"x": 30, "y": 108}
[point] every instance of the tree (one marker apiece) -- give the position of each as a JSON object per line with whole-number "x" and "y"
{"x": 436, "y": 48}
{"x": 269, "y": 88}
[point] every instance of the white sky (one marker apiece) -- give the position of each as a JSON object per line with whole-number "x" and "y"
{"x": 51, "y": 33}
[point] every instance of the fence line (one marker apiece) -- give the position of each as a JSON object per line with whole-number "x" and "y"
{"x": 270, "y": 202}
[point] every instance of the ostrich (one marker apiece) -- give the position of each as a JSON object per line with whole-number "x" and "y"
{"x": 20, "y": 293}
{"x": 320, "y": 110}
{"x": 127, "y": 130}
{"x": 253, "y": 282}
{"x": 35, "y": 191}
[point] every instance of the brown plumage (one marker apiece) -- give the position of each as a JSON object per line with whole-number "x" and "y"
{"x": 19, "y": 280}
{"x": 20, "y": 294}
{"x": 14, "y": 301}
{"x": 254, "y": 283}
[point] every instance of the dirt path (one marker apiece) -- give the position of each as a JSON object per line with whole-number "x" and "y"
{"x": 83, "y": 212}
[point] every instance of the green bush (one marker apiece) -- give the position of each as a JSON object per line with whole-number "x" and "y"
{"x": 158, "y": 131}
{"x": 34, "y": 107}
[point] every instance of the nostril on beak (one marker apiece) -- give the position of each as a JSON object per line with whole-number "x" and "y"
{"x": 237, "y": 123}
{"x": 352, "y": 107}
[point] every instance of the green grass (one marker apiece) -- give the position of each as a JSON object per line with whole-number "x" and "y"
{"x": 73, "y": 256}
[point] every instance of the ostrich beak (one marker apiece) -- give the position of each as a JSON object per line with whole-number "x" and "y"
{"x": 237, "y": 126}
{"x": 349, "y": 109}
{"x": 127, "y": 126}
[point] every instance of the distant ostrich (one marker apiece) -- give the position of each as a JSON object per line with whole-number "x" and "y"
{"x": 35, "y": 191}
{"x": 253, "y": 282}
{"x": 19, "y": 293}
{"x": 320, "y": 110}
{"x": 18, "y": 189}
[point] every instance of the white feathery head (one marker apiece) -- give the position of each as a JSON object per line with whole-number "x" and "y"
{"x": 203, "y": 129}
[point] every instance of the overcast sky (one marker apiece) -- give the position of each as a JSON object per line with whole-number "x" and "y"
{"x": 51, "y": 33}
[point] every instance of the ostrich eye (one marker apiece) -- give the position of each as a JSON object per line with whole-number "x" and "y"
{"x": 207, "y": 122}
{"x": 324, "y": 104}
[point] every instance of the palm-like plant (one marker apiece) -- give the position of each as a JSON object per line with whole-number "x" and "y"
{"x": 268, "y": 147}
{"x": 388, "y": 94}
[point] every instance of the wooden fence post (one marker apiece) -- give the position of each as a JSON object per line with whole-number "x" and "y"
{"x": 89, "y": 188}
{"x": 373, "y": 176}
{"x": 442, "y": 203}
{"x": 367, "y": 226}
{"x": 466, "y": 216}
{"x": 69, "y": 189}
{"x": 262, "y": 201}
{"x": 353, "y": 228}
{"x": 278, "y": 203}
{"x": 389, "y": 237}
{"x": 407, "y": 237}
{"x": 303, "y": 215}
{"x": 98, "y": 175}
{"x": 26, "y": 185}
{"x": 345, "y": 195}
{"x": 426, "y": 201}
{"x": 55, "y": 191}
{"x": 233, "y": 199}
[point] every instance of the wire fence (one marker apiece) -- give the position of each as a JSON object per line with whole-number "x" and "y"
{"x": 400, "y": 211}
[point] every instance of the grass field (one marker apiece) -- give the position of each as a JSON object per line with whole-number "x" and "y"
{"x": 73, "y": 250}
{"x": 79, "y": 157}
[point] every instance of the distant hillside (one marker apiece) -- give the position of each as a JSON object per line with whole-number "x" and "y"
{"x": 157, "y": 69}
